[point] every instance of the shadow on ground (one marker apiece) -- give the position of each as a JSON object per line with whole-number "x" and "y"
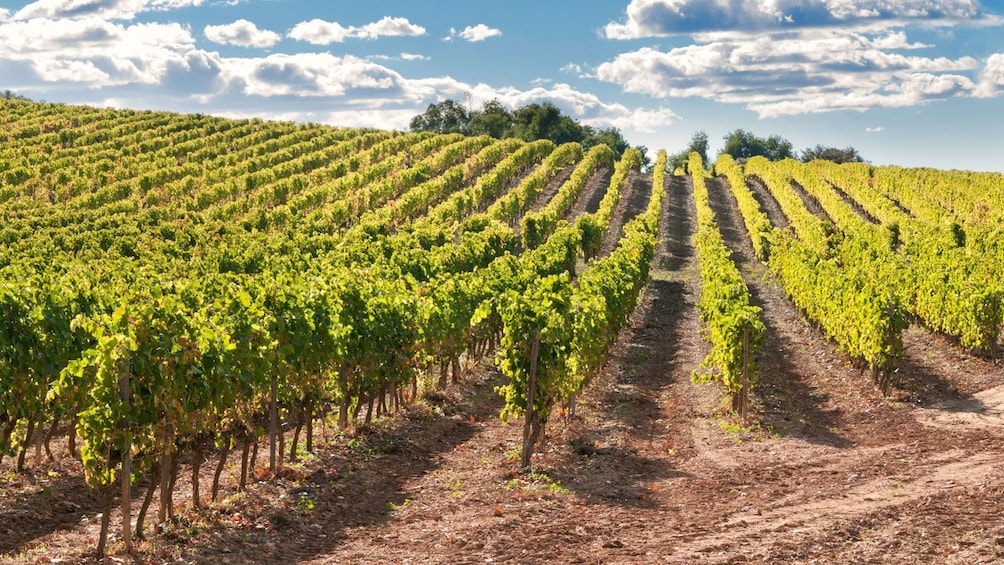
{"x": 788, "y": 403}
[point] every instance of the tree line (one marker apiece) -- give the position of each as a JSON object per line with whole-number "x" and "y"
{"x": 529, "y": 123}
{"x": 742, "y": 145}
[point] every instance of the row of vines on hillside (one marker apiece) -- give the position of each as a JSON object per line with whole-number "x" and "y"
{"x": 556, "y": 328}
{"x": 731, "y": 324}
{"x": 184, "y": 304}
{"x": 826, "y": 280}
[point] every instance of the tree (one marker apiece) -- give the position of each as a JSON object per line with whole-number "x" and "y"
{"x": 545, "y": 121}
{"x": 846, "y": 155}
{"x": 611, "y": 136}
{"x": 9, "y": 95}
{"x": 529, "y": 123}
{"x": 698, "y": 143}
{"x": 742, "y": 145}
{"x": 447, "y": 116}
{"x": 646, "y": 161}
{"x": 493, "y": 119}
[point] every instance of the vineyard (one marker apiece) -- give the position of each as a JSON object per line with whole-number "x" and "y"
{"x": 280, "y": 342}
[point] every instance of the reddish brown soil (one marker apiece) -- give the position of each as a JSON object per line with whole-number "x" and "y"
{"x": 633, "y": 200}
{"x": 649, "y": 470}
{"x": 810, "y": 201}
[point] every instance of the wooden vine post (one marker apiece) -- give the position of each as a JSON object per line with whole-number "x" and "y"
{"x": 126, "y": 467}
{"x": 531, "y": 424}
{"x": 744, "y": 393}
{"x": 273, "y": 423}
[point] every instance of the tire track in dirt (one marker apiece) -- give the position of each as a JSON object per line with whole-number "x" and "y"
{"x": 811, "y": 516}
{"x": 767, "y": 202}
{"x": 552, "y": 187}
{"x": 663, "y": 346}
{"x": 596, "y": 183}
{"x": 983, "y": 411}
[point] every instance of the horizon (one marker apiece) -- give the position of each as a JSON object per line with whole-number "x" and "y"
{"x": 912, "y": 83}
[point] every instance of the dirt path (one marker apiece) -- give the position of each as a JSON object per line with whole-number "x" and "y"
{"x": 592, "y": 190}
{"x": 633, "y": 201}
{"x": 767, "y": 202}
{"x": 591, "y": 194}
{"x": 810, "y": 202}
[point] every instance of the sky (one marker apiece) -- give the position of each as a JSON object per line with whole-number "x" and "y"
{"x": 904, "y": 82}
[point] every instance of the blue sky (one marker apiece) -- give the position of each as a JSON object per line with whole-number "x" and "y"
{"x": 907, "y": 82}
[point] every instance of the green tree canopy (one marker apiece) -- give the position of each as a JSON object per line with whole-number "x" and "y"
{"x": 529, "y": 123}
{"x": 445, "y": 117}
{"x": 742, "y": 145}
{"x": 846, "y": 155}
{"x": 493, "y": 119}
{"x": 610, "y": 136}
{"x": 698, "y": 143}
{"x": 545, "y": 121}
{"x": 9, "y": 95}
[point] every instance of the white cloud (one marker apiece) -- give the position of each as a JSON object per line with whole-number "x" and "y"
{"x": 106, "y": 9}
{"x": 877, "y": 129}
{"x": 5, "y": 15}
{"x": 584, "y": 106}
{"x": 97, "y": 52}
{"x": 241, "y": 33}
{"x": 790, "y": 73}
{"x": 71, "y": 71}
{"x": 382, "y": 119}
{"x": 364, "y": 93}
{"x": 479, "y": 32}
{"x": 321, "y": 32}
{"x": 401, "y": 57}
{"x": 573, "y": 68}
{"x": 314, "y": 74}
{"x": 642, "y": 120}
{"x": 388, "y": 27}
{"x": 164, "y": 5}
{"x": 992, "y": 78}
{"x": 353, "y": 92}
{"x": 654, "y": 18}
{"x": 577, "y": 70}
{"x": 920, "y": 86}
{"x": 910, "y": 90}
{"x": 160, "y": 65}
{"x": 473, "y": 34}
{"x": 896, "y": 40}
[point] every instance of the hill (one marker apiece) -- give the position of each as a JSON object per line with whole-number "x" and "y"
{"x": 299, "y": 333}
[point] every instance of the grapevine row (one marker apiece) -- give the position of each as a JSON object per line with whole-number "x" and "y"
{"x": 732, "y": 326}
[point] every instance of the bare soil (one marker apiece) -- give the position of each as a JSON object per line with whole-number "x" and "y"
{"x": 767, "y": 203}
{"x": 810, "y": 201}
{"x": 633, "y": 200}
{"x": 854, "y": 204}
{"x": 651, "y": 469}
